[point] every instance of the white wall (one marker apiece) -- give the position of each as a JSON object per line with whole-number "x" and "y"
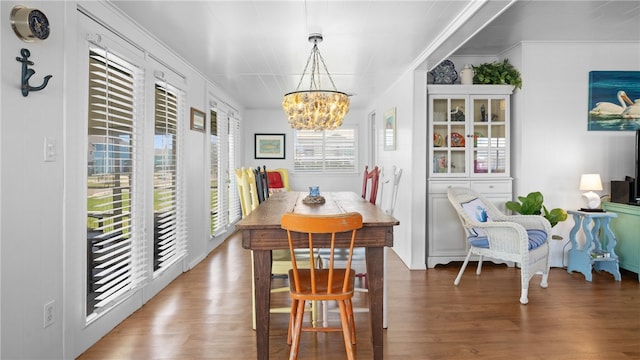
{"x": 31, "y": 238}
{"x": 274, "y": 121}
{"x": 39, "y": 244}
{"x": 408, "y": 96}
{"x": 42, "y": 238}
{"x": 551, "y": 144}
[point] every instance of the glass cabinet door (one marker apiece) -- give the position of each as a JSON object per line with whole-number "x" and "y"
{"x": 490, "y": 130}
{"x": 448, "y": 128}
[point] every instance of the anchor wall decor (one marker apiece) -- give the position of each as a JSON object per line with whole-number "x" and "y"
{"x": 27, "y": 73}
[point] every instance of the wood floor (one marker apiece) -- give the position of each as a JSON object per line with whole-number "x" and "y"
{"x": 205, "y": 314}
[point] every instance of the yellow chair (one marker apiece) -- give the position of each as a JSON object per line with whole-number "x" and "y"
{"x": 253, "y": 188}
{"x": 244, "y": 194}
{"x": 329, "y": 283}
{"x": 281, "y": 260}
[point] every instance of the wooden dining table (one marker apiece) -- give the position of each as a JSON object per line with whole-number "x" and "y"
{"x": 261, "y": 232}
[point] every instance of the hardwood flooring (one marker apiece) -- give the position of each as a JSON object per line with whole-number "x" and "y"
{"x": 205, "y": 314}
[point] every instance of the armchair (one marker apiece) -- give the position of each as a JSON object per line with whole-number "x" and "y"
{"x": 519, "y": 238}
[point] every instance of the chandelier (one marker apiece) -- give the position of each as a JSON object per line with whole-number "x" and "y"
{"x": 315, "y": 109}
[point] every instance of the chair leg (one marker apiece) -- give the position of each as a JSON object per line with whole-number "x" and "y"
{"x": 524, "y": 296}
{"x": 479, "y": 269}
{"x": 346, "y": 332}
{"x": 352, "y": 320}
{"x": 292, "y": 316}
{"x": 325, "y": 313}
{"x": 545, "y": 279}
{"x": 525, "y": 278}
{"x": 464, "y": 266}
{"x": 297, "y": 331}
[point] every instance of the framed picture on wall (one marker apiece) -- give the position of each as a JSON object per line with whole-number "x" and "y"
{"x": 390, "y": 129}
{"x": 269, "y": 146}
{"x": 197, "y": 120}
{"x": 614, "y": 101}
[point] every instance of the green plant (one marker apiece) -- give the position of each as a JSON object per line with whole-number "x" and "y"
{"x": 532, "y": 205}
{"x": 497, "y": 73}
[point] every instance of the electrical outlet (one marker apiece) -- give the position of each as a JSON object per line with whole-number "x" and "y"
{"x": 49, "y": 313}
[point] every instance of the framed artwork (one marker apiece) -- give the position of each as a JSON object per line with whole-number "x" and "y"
{"x": 390, "y": 129}
{"x": 614, "y": 101}
{"x": 197, "y": 120}
{"x": 269, "y": 146}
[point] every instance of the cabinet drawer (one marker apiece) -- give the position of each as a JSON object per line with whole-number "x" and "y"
{"x": 493, "y": 187}
{"x": 441, "y": 187}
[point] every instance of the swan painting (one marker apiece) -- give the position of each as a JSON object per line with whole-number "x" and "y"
{"x": 607, "y": 108}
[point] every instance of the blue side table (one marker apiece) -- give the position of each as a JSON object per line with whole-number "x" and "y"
{"x": 598, "y": 250}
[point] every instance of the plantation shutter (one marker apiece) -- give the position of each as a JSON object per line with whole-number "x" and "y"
{"x": 235, "y": 212}
{"x": 218, "y": 216}
{"x": 325, "y": 151}
{"x": 169, "y": 242}
{"x": 115, "y": 250}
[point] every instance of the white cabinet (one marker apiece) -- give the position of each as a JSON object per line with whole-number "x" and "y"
{"x": 469, "y": 146}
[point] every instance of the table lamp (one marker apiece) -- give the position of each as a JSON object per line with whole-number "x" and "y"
{"x": 589, "y": 183}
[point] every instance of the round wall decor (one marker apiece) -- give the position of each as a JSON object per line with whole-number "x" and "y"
{"x": 29, "y": 24}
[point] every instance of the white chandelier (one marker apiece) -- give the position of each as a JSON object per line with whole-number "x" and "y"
{"x": 315, "y": 109}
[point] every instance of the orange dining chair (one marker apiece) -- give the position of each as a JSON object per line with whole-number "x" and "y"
{"x": 329, "y": 283}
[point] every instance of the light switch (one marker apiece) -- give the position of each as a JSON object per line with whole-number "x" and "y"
{"x": 49, "y": 149}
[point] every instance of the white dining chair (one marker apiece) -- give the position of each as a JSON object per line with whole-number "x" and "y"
{"x": 359, "y": 263}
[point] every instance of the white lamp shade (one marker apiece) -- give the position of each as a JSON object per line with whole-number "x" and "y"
{"x": 590, "y": 182}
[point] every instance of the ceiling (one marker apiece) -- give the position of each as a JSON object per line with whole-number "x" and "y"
{"x": 256, "y": 50}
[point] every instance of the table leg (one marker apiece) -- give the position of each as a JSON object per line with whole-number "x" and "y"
{"x": 262, "y": 280}
{"x": 375, "y": 275}
{"x": 580, "y": 259}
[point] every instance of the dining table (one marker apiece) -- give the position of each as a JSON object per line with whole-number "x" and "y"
{"x": 262, "y": 233}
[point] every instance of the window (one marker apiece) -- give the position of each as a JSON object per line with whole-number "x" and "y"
{"x": 217, "y": 218}
{"x": 168, "y": 220}
{"x": 325, "y": 151}
{"x": 224, "y": 137}
{"x": 235, "y": 212}
{"x": 115, "y": 264}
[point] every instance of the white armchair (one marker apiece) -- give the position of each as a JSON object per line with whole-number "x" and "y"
{"x": 523, "y": 239}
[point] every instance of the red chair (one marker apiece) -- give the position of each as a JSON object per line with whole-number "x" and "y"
{"x": 278, "y": 180}
{"x": 374, "y": 177}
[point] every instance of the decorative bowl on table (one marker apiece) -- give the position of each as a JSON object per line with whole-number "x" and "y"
{"x": 313, "y": 200}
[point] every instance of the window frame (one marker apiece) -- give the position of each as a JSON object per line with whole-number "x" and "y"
{"x": 323, "y": 161}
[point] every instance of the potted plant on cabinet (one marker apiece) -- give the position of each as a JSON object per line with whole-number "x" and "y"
{"x": 498, "y": 73}
{"x": 533, "y": 205}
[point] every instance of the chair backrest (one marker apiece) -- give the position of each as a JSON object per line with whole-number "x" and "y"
{"x": 312, "y": 225}
{"x": 390, "y": 205}
{"x": 461, "y": 196}
{"x": 278, "y": 179}
{"x": 244, "y": 193}
{"x": 372, "y": 176}
{"x": 253, "y": 188}
{"x": 262, "y": 183}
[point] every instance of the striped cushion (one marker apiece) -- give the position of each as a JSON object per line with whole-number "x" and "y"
{"x": 536, "y": 238}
